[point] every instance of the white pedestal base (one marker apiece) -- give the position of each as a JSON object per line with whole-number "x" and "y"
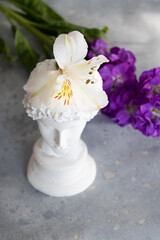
{"x": 59, "y": 177}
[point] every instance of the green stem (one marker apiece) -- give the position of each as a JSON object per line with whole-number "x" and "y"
{"x": 27, "y": 24}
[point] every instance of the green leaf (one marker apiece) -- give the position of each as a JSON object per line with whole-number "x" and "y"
{"x": 37, "y": 10}
{"x": 26, "y": 54}
{"x": 4, "y": 50}
{"x": 57, "y": 27}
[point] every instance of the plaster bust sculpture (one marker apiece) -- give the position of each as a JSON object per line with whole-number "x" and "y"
{"x": 62, "y": 95}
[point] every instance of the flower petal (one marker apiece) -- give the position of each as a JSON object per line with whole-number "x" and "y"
{"x": 43, "y": 98}
{"x": 42, "y": 84}
{"x": 40, "y": 76}
{"x": 69, "y": 48}
{"x": 95, "y": 62}
{"x": 85, "y": 70}
{"x": 89, "y": 97}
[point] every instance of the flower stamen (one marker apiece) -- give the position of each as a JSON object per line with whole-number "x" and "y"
{"x": 66, "y": 92}
{"x": 88, "y": 81}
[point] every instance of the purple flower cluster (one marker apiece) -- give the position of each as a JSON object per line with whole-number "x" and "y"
{"x": 130, "y": 101}
{"x": 119, "y": 81}
{"x": 147, "y": 116}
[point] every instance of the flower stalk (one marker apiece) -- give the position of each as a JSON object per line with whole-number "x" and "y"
{"x": 44, "y": 23}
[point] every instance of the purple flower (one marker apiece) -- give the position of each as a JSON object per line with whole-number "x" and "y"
{"x": 97, "y": 47}
{"x": 119, "y": 55}
{"x": 119, "y": 70}
{"x": 120, "y": 84}
{"x": 122, "y": 103}
{"x": 114, "y": 76}
{"x": 156, "y": 103}
{"x": 147, "y": 118}
{"x": 149, "y": 85}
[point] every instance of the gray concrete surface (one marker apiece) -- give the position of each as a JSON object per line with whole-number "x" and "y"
{"x": 124, "y": 201}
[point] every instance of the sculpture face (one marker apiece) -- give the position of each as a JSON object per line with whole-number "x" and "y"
{"x": 61, "y": 137}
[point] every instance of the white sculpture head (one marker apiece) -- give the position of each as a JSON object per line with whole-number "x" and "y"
{"x": 60, "y": 138}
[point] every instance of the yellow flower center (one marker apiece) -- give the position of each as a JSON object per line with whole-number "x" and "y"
{"x": 66, "y": 92}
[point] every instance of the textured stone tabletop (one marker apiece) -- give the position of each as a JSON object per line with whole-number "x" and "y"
{"x": 124, "y": 201}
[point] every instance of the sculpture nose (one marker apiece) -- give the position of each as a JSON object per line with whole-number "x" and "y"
{"x": 60, "y": 140}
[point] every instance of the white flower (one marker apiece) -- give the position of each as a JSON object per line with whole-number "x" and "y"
{"x": 75, "y": 85}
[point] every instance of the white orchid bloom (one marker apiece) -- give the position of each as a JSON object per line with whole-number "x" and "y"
{"x": 76, "y": 85}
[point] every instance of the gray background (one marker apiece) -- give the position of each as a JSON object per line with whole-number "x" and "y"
{"x": 124, "y": 201}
